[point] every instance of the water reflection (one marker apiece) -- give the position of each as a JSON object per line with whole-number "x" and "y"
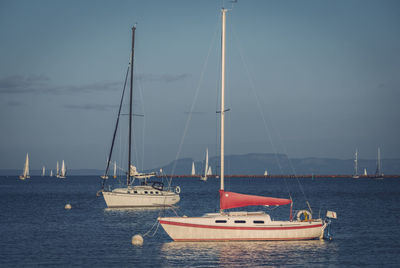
{"x": 234, "y": 254}
{"x": 139, "y": 209}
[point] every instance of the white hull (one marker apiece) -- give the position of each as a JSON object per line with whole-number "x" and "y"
{"x": 24, "y": 177}
{"x": 248, "y": 227}
{"x": 140, "y": 196}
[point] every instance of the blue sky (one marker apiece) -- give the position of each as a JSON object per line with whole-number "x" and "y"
{"x": 306, "y": 78}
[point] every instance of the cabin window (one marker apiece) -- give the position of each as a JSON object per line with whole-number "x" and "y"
{"x": 146, "y": 192}
{"x": 151, "y": 192}
{"x": 135, "y": 192}
{"x": 258, "y": 222}
{"x": 240, "y": 221}
{"x": 156, "y": 192}
{"x": 220, "y": 221}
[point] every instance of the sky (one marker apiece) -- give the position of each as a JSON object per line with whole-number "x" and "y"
{"x": 309, "y": 78}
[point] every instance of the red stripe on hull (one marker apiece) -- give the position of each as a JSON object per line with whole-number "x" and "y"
{"x": 237, "y": 228}
{"x": 245, "y": 239}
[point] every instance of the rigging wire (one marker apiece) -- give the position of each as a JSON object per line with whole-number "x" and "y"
{"x": 193, "y": 104}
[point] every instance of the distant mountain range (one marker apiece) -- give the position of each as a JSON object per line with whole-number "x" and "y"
{"x": 256, "y": 164}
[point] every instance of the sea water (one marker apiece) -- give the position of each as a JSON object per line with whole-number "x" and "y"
{"x": 36, "y": 230}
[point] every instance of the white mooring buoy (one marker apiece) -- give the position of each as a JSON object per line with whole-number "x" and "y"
{"x": 68, "y": 206}
{"x": 137, "y": 240}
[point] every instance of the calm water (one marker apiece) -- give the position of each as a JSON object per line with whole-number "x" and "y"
{"x": 36, "y": 230}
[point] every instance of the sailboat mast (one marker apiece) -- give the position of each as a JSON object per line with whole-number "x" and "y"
{"x": 378, "y": 165}
{"x": 130, "y": 108}
{"x": 223, "y": 12}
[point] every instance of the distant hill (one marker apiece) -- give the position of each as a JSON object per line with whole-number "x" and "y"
{"x": 256, "y": 164}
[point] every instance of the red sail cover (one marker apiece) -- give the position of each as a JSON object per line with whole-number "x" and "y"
{"x": 234, "y": 200}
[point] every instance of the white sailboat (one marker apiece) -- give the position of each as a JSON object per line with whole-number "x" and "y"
{"x": 204, "y": 178}
{"x": 57, "y": 170}
{"x": 355, "y": 175}
{"x": 25, "y": 173}
{"x": 241, "y": 226}
{"x": 193, "y": 169}
{"x": 265, "y": 173}
{"x": 365, "y": 172}
{"x": 147, "y": 194}
{"x": 378, "y": 173}
{"x": 43, "y": 171}
{"x": 51, "y": 173}
{"x": 63, "y": 172}
{"x": 209, "y": 172}
{"x": 115, "y": 170}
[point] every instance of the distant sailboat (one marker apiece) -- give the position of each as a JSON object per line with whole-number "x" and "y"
{"x": 193, "y": 169}
{"x": 115, "y": 170}
{"x": 209, "y": 172}
{"x": 378, "y": 173}
{"x": 365, "y": 172}
{"x": 355, "y": 175}
{"x": 51, "y": 173}
{"x": 265, "y": 173}
{"x": 43, "y": 171}
{"x": 57, "y": 170}
{"x": 63, "y": 172}
{"x": 204, "y": 178}
{"x": 25, "y": 174}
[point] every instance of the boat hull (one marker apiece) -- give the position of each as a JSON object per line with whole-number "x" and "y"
{"x": 134, "y": 197}
{"x": 207, "y": 229}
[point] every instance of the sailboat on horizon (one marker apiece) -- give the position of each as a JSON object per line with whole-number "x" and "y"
{"x": 193, "y": 173}
{"x": 63, "y": 171}
{"x": 242, "y": 225}
{"x": 378, "y": 173}
{"x": 204, "y": 177}
{"x": 148, "y": 193}
{"x": 25, "y": 174}
{"x": 356, "y": 175}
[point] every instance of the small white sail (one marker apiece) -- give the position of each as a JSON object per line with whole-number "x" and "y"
{"x": 365, "y": 172}
{"x": 25, "y": 174}
{"x": 209, "y": 172}
{"x": 204, "y": 178}
{"x": 57, "y": 170}
{"x": 265, "y": 173}
{"x": 63, "y": 173}
{"x": 51, "y": 173}
{"x": 115, "y": 170}
{"x": 43, "y": 171}
{"x": 193, "y": 169}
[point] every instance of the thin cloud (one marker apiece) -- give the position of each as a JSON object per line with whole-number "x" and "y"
{"x": 17, "y": 84}
{"x": 93, "y": 107}
{"x": 197, "y": 113}
{"x": 166, "y": 78}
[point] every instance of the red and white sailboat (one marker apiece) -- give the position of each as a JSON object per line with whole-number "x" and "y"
{"x": 242, "y": 225}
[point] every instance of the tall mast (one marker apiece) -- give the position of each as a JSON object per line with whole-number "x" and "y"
{"x": 128, "y": 178}
{"x": 223, "y": 11}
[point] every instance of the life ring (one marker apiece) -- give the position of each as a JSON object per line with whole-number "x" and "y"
{"x": 177, "y": 189}
{"x": 307, "y": 215}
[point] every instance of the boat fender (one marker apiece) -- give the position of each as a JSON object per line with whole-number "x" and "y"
{"x": 177, "y": 189}
{"x": 307, "y": 215}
